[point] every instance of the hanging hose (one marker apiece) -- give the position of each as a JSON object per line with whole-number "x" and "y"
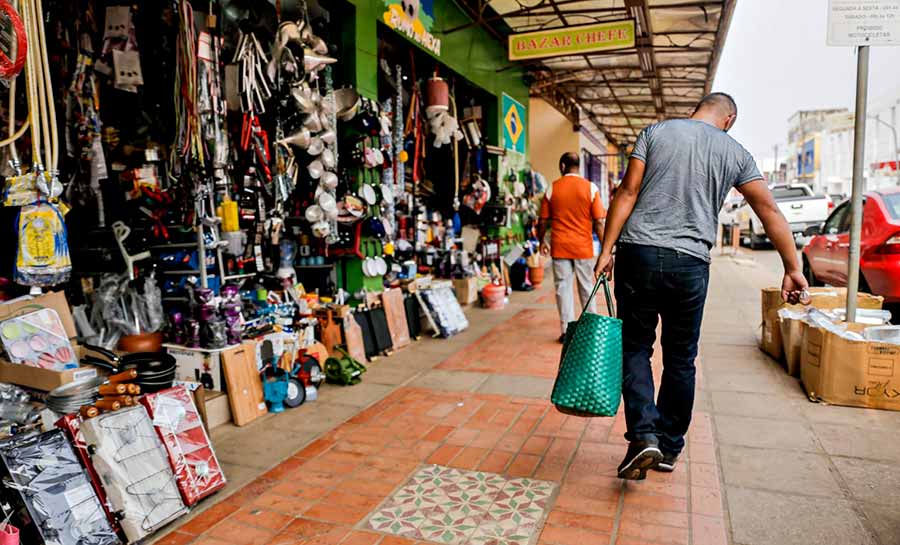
{"x": 47, "y": 86}
{"x": 188, "y": 137}
{"x": 40, "y": 223}
{"x": 10, "y": 68}
{"x": 37, "y": 69}
{"x": 39, "y": 87}
{"x": 31, "y": 86}
{"x": 14, "y": 134}
{"x": 455, "y": 162}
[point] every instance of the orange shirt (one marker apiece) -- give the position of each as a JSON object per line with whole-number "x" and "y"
{"x": 572, "y": 204}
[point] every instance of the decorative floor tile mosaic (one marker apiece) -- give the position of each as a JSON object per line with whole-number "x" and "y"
{"x": 459, "y": 507}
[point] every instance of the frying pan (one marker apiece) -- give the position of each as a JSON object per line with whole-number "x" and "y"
{"x": 146, "y": 363}
{"x": 156, "y": 370}
{"x": 68, "y": 398}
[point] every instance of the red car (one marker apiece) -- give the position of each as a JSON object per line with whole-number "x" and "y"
{"x": 826, "y": 257}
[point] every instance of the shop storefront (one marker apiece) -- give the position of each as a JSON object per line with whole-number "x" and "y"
{"x": 222, "y": 207}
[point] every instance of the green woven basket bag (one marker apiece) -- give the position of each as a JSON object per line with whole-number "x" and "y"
{"x": 589, "y": 382}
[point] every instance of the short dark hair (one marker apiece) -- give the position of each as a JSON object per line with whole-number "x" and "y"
{"x": 721, "y": 101}
{"x": 568, "y": 161}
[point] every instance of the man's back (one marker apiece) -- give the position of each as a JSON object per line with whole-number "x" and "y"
{"x": 572, "y": 204}
{"x": 689, "y": 168}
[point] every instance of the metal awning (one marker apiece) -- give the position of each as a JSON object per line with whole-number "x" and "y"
{"x": 677, "y": 49}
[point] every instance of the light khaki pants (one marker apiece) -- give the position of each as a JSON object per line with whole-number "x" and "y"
{"x": 565, "y": 273}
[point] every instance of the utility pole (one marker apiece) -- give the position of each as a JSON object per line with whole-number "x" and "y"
{"x": 859, "y": 154}
{"x": 896, "y": 142}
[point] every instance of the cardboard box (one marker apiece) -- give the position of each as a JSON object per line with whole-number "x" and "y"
{"x": 772, "y": 342}
{"x": 203, "y": 365}
{"x": 853, "y": 373}
{"x": 35, "y": 377}
{"x": 218, "y": 411}
{"x": 792, "y": 342}
{"x": 466, "y": 290}
{"x": 43, "y": 379}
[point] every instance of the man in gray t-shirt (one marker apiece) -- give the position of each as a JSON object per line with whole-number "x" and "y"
{"x": 663, "y": 222}
{"x": 689, "y": 167}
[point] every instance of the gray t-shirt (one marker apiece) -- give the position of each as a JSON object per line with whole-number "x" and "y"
{"x": 689, "y": 168}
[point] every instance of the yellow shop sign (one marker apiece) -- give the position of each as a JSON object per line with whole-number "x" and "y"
{"x": 574, "y": 40}
{"x": 412, "y": 19}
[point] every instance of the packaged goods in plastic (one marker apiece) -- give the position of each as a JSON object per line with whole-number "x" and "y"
{"x": 55, "y": 502}
{"x": 71, "y": 425}
{"x": 885, "y": 334}
{"x": 134, "y": 467}
{"x": 190, "y": 452}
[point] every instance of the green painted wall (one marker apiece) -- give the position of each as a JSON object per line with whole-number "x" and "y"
{"x": 472, "y": 53}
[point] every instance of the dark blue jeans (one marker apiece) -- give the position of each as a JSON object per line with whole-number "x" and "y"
{"x": 653, "y": 283}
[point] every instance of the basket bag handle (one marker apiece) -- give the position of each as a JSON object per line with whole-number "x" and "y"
{"x": 601, "y": 281}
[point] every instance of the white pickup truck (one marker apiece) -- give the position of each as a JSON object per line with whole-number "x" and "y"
{"x": 798, "y": 203}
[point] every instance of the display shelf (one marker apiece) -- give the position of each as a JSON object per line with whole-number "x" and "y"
{"x": 239, "y": 276}
{"x": 173, "y": 246}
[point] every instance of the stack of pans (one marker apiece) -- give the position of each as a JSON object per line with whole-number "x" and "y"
{"x": 155, "y": 370}
{"x": 70, "y": 397}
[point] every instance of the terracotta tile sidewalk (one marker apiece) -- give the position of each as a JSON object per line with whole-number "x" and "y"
{"x": 519, "y": 346}
{"x": 321, "y": 495}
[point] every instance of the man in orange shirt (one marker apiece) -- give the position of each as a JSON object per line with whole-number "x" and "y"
{"x": 571, "y": 208}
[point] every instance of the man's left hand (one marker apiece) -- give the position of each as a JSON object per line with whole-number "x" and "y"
{"x": 545, "y": 249}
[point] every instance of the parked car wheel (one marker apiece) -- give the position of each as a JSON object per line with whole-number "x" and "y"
{"x": 756, "y": 241}
{"x": 895, "y": 312}
{"x": 808, "y": 274}
{"x": 863, "y": 285}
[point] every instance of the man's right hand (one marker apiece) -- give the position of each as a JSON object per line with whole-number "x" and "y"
{"x": 761, "y": 201}
{"x": 793, "y": 286}
{"x": 604, "y": 266}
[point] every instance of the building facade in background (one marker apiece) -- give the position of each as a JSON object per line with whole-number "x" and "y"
{"x": 820, "y": 148}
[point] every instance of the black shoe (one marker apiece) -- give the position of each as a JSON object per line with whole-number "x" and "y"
{"x": 640, "y": 457}
{"x": 667, "y": 464}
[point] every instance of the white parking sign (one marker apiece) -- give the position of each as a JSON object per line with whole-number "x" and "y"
{"x": 863, "y": 22}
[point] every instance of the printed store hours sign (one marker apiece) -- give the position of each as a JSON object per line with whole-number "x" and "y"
{"x": 863, "y": 22}
{"x": 573, "y": 40}
{"x": 414, "y": 19}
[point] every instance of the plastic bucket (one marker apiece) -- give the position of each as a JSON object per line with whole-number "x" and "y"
{"x": 493, "y": 296}
{"x": 9, "y": 535}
